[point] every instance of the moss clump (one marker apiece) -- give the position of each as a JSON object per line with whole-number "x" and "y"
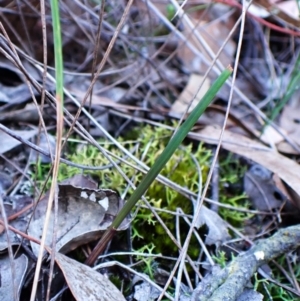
{"x": 232, "y": 191}
{"x": 147, "y": 144}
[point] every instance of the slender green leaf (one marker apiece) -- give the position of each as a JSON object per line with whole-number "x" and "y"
{"x": 57, "y": 52}
{"x": 159, "y": 164}
{"x": 171, "y": 147}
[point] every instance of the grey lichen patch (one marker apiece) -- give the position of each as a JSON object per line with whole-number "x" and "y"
{"x": 259, "y": 255}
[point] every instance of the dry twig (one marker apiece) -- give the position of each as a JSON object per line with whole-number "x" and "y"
{"x": 230, "y": 282}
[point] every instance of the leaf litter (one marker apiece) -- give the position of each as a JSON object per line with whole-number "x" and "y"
{"x": 146, "y": 72}
{"x": 83, "y": 213}
{"x": 97, "y": 288}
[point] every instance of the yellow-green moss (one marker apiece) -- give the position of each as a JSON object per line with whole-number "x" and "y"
{"x": 180, "y": 169}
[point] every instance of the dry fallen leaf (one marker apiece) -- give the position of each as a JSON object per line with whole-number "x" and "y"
{"x": 261, "y": 189}
{"x": 270, "y": 136}
{"x": 83, "y": 213}
{"x": 12, "y": 282}
{"x": 13, "y": 206}
{"x": 289, "y": 121}
{"x": 288, "y": 170}
{"x": 217, "y": 228}
{"x": 8, "y": 142}
{"x": 213, "y": 34}
{"x": 28, "y": 114}
{"x": 290, "y": 8}
{"x": 284, "y": 10}
{"x": 85, "y": 283}
{"x": 191, "y": 93}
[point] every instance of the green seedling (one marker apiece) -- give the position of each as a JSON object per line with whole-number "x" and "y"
{"x": 148, "y": 261}
{"x": 180, "y": 169}
{"x": 146, "y": 230}
{"x": 220, "y": 259}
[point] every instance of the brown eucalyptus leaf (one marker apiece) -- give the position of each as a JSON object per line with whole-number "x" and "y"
{"x": 287, "y": 169}
{"x": 83, "y": 214}
{"x": 85, "y": 283}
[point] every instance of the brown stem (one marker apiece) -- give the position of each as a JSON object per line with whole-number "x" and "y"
{"x": 101, "y": 245}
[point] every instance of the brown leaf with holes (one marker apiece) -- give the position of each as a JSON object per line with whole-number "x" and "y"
{"x": 84, "y": 212}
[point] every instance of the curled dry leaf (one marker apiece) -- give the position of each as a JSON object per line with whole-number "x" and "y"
{"x": 83, "y": 213}
{"x": 85, "y": 283}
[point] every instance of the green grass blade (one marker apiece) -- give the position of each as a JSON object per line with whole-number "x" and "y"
{"x": 159, "y": 164}
{"x": 171, "y": 147}
{"x": 291, "y": 89}
{"x": 59, "y": 130}
{"x": 57, "y": 52}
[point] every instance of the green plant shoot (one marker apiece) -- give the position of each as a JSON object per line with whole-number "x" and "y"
{"x": 160, "y": 163}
